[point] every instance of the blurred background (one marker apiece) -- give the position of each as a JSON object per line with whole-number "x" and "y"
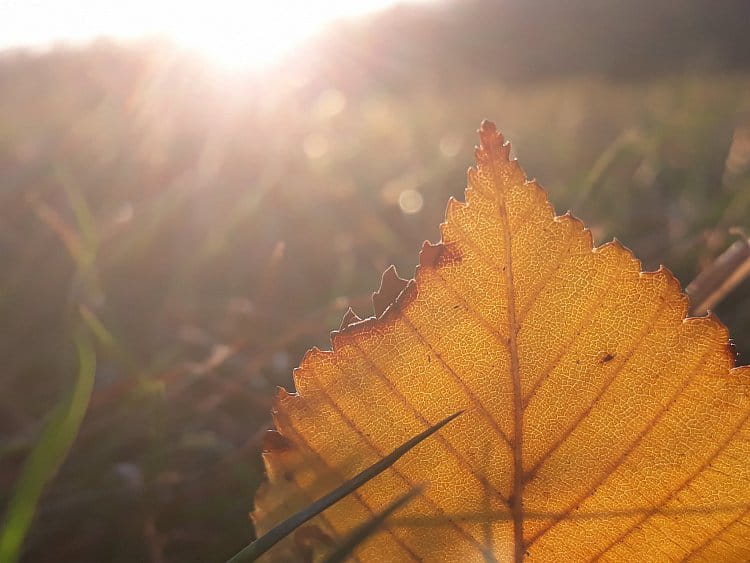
{"x": 193, "y": 195}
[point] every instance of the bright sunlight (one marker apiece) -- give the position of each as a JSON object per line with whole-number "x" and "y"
{"x": 233, "y": 33}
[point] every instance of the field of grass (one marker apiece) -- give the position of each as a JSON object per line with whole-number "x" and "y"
{"x": 204, "y": 230}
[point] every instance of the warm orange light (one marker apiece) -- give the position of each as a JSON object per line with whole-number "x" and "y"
{"x": 234, "y": 33}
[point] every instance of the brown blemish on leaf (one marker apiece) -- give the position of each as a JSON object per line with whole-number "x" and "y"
{"x": 350, "y": 317}
{"x": 429, "y": 254}
{"x": 391, "y": 285}
{"x": 275, "y": 442}
{"x": 408, "y": 295}
{"x": 368, "y": 327}
{"x": 438, "y": 255}
{"x": 450, "y": 256}
{"x": 350, "y": 333}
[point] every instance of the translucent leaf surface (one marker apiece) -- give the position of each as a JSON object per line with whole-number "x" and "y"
{"x": 599, "y": 424}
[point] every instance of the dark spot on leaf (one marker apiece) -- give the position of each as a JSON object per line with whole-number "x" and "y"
{"x": 608, "y": 357}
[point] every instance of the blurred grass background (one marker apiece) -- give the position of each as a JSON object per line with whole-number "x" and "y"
{"x": 208, "y": 227}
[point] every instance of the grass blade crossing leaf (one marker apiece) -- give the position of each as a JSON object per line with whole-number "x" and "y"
{"x": 276, "y": 534}
{"x": 602, "y": 423}
{"x": 360, "y": 534}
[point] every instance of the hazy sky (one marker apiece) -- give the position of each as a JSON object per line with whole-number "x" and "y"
{"x": 246, "y": 33}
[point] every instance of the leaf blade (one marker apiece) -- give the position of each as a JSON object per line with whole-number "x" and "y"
{"x": 368, "y": 528}
{"x": 285, "y": 528}
{"x": 581, "y": 376}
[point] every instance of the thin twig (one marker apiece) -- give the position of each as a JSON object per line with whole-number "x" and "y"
{"x": 721, "y": 277}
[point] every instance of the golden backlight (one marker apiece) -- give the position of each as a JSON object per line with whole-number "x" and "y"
{"x": 233, "y": 33}
{"x": 599, "y": 424}
{"x": 255, "y": 34}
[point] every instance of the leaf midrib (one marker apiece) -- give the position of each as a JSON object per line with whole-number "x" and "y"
{"x": 516, "y": 498}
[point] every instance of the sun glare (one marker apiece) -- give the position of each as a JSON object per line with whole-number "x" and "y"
{"x": 256, "y": 34}
{"x": 251, "y": 34}
{"x": 233, "y": 33}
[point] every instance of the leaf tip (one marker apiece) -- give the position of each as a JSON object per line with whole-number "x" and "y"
{"x": 488, "y": 131}
{"x": 491, "y": 142}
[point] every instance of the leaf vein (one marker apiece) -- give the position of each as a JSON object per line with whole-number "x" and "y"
{"x": 615, "y": 372}
{"x": 589, "y": 314}
{"x": 355, "y": 494}
{"x": 559, "y": 261}
{"x": 466, "y": 389}
{"x": 692, "y": 477}
{"x": 363, "y": 437}
{"x": 501, "y": 338}
{"x": 624, "y": 455}
{"x": 449, "y": 447}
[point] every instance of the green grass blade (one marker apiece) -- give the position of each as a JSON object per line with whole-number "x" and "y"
{"x": 47, "y": 455}
{"x": 359, "y": 535}
{"x": 279, "y": 532}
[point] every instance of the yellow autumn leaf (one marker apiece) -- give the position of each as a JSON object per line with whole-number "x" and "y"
{"x": 600, "y": 424}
